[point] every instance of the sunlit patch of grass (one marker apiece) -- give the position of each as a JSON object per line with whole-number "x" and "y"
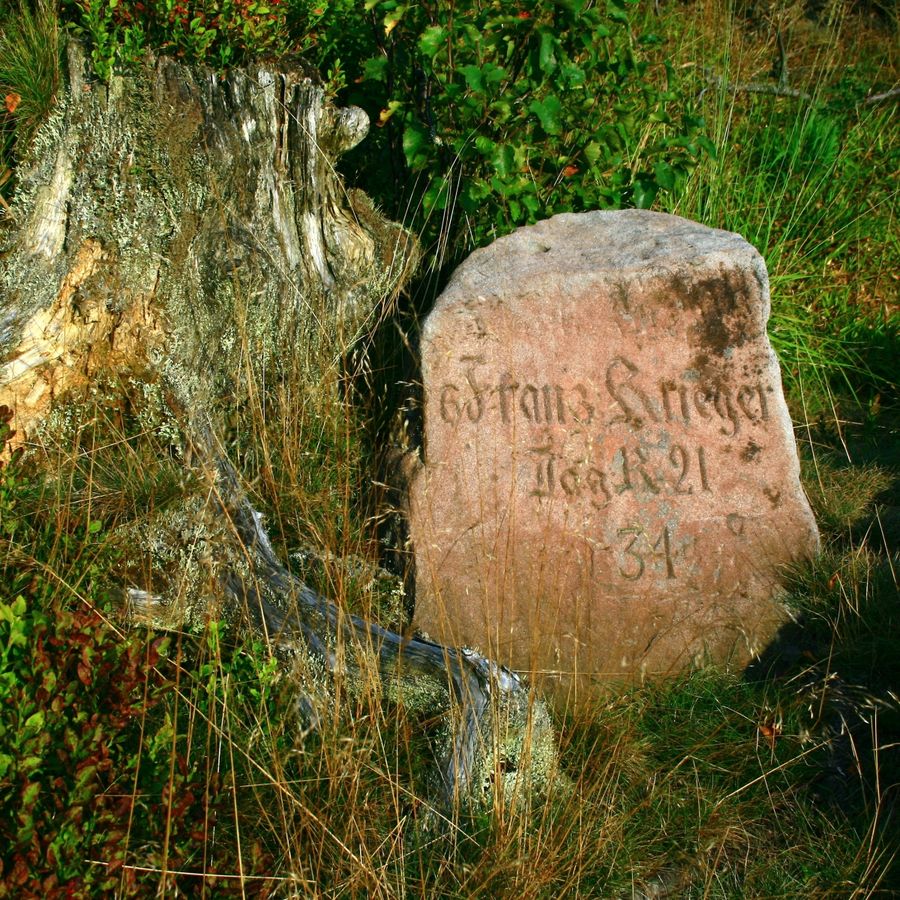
{"x": 842, "y": 495}
{"x": 809, "y": 181}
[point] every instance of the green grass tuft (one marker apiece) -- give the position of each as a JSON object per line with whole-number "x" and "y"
{"x": 30, "y": 50}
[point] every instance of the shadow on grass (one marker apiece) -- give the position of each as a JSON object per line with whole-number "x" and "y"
{"x": 839, "y": 658}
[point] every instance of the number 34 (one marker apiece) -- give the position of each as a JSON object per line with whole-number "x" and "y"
{"x": 632, "y": 558}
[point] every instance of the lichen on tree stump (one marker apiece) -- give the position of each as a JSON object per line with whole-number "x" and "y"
{"x": 181, "y": 221}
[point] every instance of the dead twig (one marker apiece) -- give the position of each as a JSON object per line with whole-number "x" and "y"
{"x": 753, "y": 87}
{"x": 892, "y": 94}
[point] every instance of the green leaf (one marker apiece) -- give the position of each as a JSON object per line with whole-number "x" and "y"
{"x": 492, "y": 74}
{"x": 503, "y": 160}
{"x": 472, "y": 37}
{"x": 466, "y": 201}
{"x": 665, "y": 176}
{"x": 415, "y": 145}
{"x": 35, "y": 722}
{"x": 531, "y": 203}
{"x": 432, "y": 40}
{"x": 393, "y": 18}
{"x": 592, "y": 152}
{"x": 473, "y": 76}
{"x": 478, "y": 189}
{"x": 392, "y": 107}
{"x": 549, "y": 111}
{"x": 435, "y": 198}
{"x": 707, "y": 145}
{"x": 484, "y": 145}
{"x": 85, "y": 776}
{"x": 574, "y": 76}
{"x": 546, "y": 55}
{"x": 375, "y": 68}
{"x": 502, "y": 110}
{"x": 644, "y": 190}
{"x": 29, "y": 795}
{"x": 28, "y": 764}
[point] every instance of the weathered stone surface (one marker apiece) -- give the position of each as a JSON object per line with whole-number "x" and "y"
{"x": 611, "y": 485}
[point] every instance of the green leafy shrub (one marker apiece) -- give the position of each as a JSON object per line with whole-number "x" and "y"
{"x": 69, "y": 689}
{"x": 515, "y": 115}
{"x": 94, "y": 773}
{"x": 219, "y": 33}
{"x": 100, "y": 768}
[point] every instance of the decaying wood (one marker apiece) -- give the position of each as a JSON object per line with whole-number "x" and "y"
{"x": 189, "y": 231}
{"x": 183, "y": 222}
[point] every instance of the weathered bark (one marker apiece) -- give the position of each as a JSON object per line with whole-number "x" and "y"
{"x": 183, "y": 222}
{"x": 190, "y": 231}
{"x": 500, "y": 732}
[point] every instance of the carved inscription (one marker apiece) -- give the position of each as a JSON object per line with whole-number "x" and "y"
{"x": 677, "y": 470}
{"x": 625, "y": 397}
{"x": 639, "y": 549}
{"x": 687, "y": 399}
{"x": 577, "y": 454}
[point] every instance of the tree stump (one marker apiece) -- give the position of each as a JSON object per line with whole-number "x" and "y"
{"x": 189, "y": 232}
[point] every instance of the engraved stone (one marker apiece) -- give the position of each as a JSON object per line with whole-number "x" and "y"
{"x": 611, "y": 485}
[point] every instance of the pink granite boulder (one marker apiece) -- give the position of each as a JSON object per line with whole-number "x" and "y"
{"x": 610, "y": 487}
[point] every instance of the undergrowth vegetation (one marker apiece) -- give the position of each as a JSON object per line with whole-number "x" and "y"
{"x": 136, "y": 762}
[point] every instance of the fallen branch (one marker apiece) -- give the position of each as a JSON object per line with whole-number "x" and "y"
{"x": 501, "y": 742}
{"x": 781, "y": 89}
{"x": 752, "y": 87}
{"x": 892, "y": 94}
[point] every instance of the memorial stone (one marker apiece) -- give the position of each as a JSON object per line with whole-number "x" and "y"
{"x": 610, "y": 487}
